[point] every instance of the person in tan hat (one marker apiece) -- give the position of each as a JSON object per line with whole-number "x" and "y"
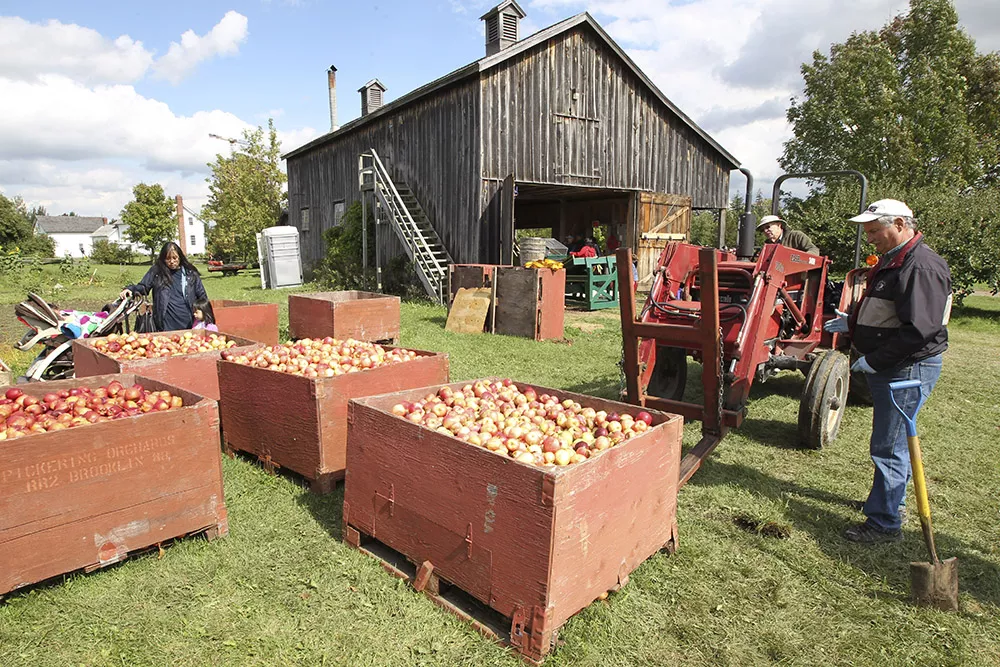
{"x": 776, "y": 231}
{"x": 900, "y": 327}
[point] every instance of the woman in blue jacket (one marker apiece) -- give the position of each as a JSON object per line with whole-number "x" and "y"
{"x": 175, "y": 285}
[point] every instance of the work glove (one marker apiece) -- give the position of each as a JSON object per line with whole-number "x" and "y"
{"x": 837, "y": 324}
{"x": 862, "y": 366}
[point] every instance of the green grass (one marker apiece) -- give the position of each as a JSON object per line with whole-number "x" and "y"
{"x": 282, "y": 589}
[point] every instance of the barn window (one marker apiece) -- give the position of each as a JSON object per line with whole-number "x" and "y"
{"x": 338, "y": 212}
{"x": 304, "y": 217}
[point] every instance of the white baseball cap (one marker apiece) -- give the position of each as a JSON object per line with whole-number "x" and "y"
{"x": 884, "y": 208}
{"x": 767, "y": 220}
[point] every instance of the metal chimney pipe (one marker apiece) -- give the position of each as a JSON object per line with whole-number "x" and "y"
{"x": 331, "y": 79}
{"x": 748, "y": 223}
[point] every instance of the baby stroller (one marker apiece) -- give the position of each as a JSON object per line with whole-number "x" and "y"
{"x": 55, "y": 331}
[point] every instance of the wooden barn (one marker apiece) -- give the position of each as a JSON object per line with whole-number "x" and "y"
{"x": 559, "y": 130}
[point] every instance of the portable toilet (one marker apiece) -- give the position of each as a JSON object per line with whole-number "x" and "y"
{"x": 280, "y": 258}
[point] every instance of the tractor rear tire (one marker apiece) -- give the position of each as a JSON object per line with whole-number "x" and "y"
{"x": 669, "y": 374}
{"x": 824, "y": 399}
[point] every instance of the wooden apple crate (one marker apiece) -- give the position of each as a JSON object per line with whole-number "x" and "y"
{"x": 195, "y": 372}
{"x": 86, "y": 497}
{"x": 364, "y": 316}
{"x": 535, "y": 545}
{"x": 469, "y": 275}
{"x": 300, "y": 423}
{"x": 529, "y": 302}
{"x": 253, "y": 321}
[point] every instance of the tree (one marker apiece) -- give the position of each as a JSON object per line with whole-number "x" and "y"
{"x": 245, "y": 194}
{"x": 15, "y": 225}
{"x": 17, "y": 229}
{"x": 913, "y": 107}
{"x": 150, "y": 217}
{"x": 705, "y": 225}
{"x": 913, "y": 103}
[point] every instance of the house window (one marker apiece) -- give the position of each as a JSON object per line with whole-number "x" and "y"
{"x": 304, "y": 217}
{"x": 194, "y": 241}
{"x": 338, "y": 212}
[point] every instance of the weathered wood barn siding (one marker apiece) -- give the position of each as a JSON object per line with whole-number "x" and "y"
{"x": 431, "y": 144}
{"x": 571, "y": 112}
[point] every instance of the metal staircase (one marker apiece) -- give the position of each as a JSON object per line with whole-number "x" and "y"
{"x": 423, "y": 246}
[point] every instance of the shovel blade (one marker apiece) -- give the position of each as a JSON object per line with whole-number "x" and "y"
{"x": 935, "y": 585}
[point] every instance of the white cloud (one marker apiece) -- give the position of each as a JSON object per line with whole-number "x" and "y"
{"x": 223, "y": 39}
{"x": 77, "y": 135}
{"x": 28, "y": 50}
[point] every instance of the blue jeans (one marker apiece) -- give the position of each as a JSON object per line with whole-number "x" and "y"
{"x": 888, "y": 447}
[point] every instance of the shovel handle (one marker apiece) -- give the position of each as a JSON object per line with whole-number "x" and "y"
{"x": 920, "y": 490}
{"x": 911, "y": 420}
{"x": 916, "y": 464}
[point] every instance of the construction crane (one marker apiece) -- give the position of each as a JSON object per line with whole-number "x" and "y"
{"x": 232, "y": 142}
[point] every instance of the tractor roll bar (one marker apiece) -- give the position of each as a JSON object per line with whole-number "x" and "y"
{"x": 776, "y": 193}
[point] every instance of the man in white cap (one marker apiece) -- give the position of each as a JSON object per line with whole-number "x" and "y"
{"x": 776, "y": 231}
{"x": 900, "y": 328}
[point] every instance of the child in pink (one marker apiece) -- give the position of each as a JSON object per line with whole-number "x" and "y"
{"x": 204, "y": 316}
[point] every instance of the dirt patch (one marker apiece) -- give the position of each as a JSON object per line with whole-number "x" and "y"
{"x": 588, "y": 327}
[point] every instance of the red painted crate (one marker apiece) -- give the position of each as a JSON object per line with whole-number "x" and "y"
{"x": 253, "y": 321}
{"x": 86, "y": 497}
{"x": 300, "y": 423}
{"x": 534, "y": 544}
{"x": 366, "y": 316}
{"x": 195, "y": 372}
{"x": 530, "y": 302}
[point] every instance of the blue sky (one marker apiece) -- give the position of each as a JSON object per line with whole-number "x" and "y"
{"x": 97, "y": 96}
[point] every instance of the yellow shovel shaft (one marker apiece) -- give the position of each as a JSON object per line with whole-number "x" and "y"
{"x": 920, "y": 488}
{"x": 919, "y": 483}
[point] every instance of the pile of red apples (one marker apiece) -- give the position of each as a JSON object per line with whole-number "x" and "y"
{"x": 23, "y": 414}
{"x": 149, "y": 346}
{"x": 533, "y": 428}
{"x": 321, "y": 357}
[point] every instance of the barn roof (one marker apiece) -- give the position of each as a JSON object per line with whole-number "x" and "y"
{"x": 67, "y": 224}
{"x": 515, "y": 49}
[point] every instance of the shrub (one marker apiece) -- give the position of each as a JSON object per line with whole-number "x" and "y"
{"x": 341, "y": 268}
{"x": 10, "y": 260}
{"x": 38, "y": 245}
{"x": 106, "y": 252}
{"x": 963, "y": 226}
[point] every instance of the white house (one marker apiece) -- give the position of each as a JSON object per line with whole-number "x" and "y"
{"x": 72, "y": 233}
{"x": 193, "y": 240}
{"x": 114, "y": 232}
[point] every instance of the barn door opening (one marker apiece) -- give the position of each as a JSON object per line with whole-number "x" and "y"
{"x": 662, "y": 218}
{"x": 506, "y": 227}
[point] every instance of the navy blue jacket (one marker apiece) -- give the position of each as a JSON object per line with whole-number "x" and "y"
{"x": 149, "y": 284}
{"x": 903, "y": 317}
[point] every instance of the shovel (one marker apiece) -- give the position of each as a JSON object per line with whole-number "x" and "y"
{"x": 932, "y": 584}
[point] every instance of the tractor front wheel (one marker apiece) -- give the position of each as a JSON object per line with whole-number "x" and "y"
{"x": 669, "y": 374}
{"x": 824, "y": 399}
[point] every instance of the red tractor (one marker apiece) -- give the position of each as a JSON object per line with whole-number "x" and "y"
{"x": 744, "y": 319}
